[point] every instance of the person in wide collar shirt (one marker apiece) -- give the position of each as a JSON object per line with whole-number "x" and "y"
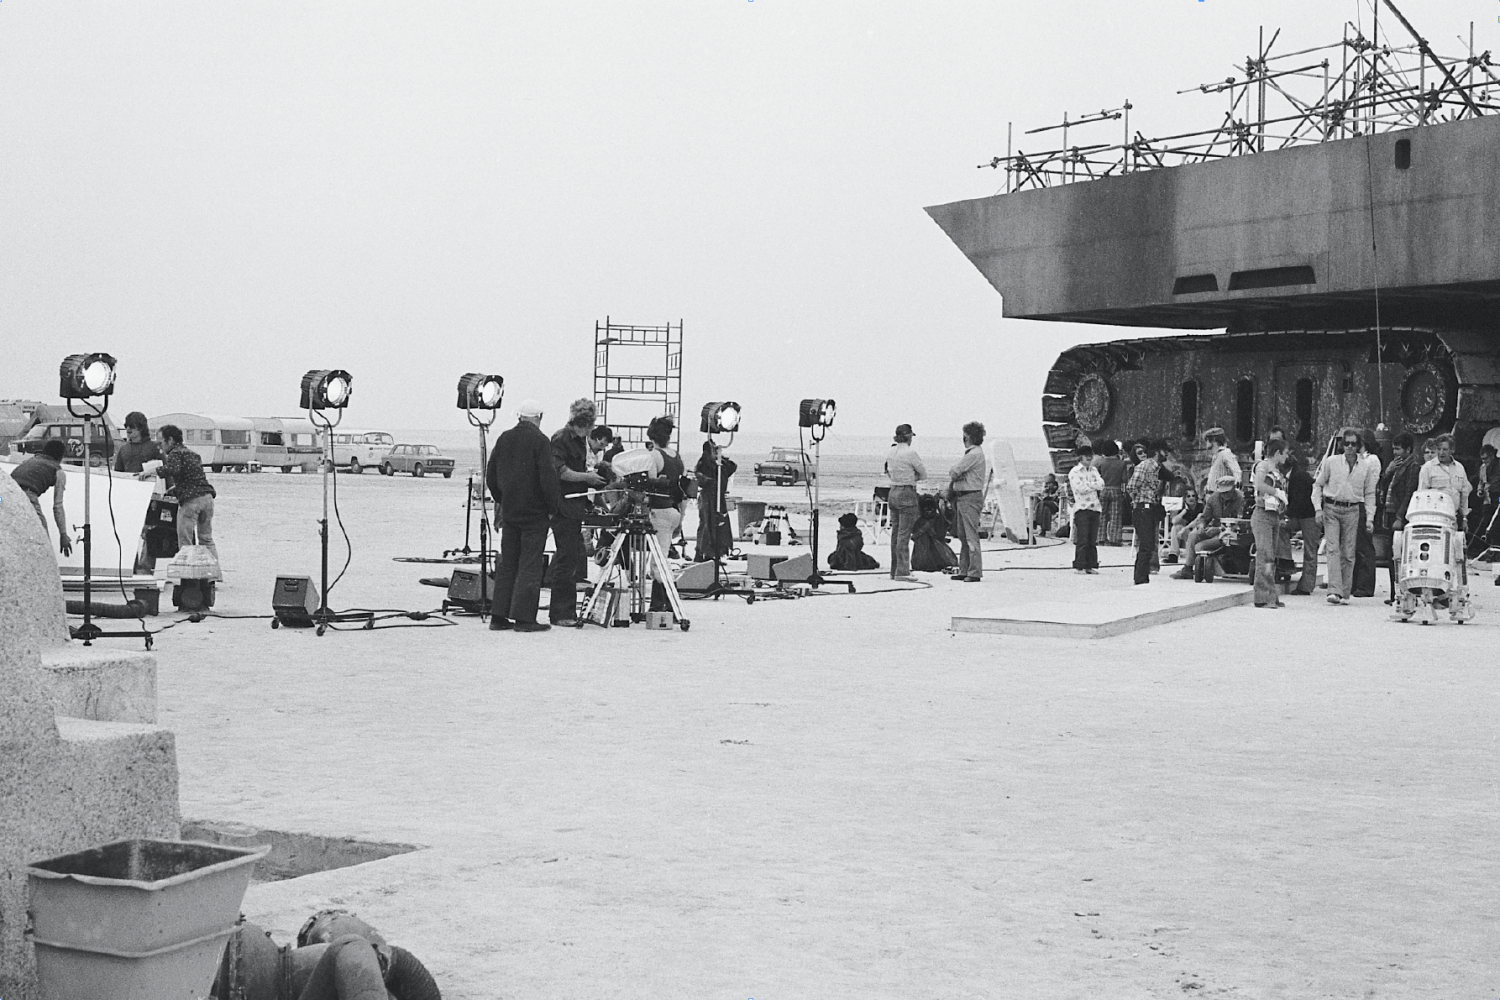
{"x": 1086, "y": 484}
{"x": 1343, "y": 495}
{"x": 1447, "y": 474}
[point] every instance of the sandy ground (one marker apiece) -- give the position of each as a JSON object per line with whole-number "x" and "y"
{"x": 838, "y": 797}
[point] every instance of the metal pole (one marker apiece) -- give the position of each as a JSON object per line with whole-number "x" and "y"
{"x": 1008, "y": 165}
{"x": 323, "y": 524}
{"x": 87, "y": 632}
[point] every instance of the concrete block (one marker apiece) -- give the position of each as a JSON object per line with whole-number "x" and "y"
{"x": 100, "y": 683}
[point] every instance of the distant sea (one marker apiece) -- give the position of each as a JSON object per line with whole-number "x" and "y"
{"x": 851, "y": 464}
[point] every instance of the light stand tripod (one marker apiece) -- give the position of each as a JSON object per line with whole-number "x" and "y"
{"x": 484, "y": 508}
{"x": 645, "y": 562}
{"x": 88, "y": 631}
{"x": 719, "y": 587}
{"x": 324, "y": 616}
{"x": 819, "y": 432}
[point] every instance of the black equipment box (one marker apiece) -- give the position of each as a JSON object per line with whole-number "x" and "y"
{"x": 295, "y": 601}
{"x": 161, "y": 528}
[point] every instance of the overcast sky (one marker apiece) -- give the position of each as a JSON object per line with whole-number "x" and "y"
{"x": 226, "y": 194}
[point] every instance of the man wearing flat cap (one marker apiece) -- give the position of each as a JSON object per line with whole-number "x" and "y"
{"x": 524, "y": 484}
{"x": 1223, "y": 474}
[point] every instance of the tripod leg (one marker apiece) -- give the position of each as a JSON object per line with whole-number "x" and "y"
{"x": 604, "y": 578}
{"x": 659, "y": 565}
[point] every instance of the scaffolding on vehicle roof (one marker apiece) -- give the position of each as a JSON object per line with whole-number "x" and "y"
{"x": 1357, "y": 86}
{"x": 660, "y": 385}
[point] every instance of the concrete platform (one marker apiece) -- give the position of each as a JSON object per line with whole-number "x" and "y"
{"x": 1111, "y": 613}
{"x": 102, "y": 683}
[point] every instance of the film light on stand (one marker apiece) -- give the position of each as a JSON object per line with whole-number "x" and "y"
{"x": 326, "y": 389}
{"x": 480, "y": 392}
{"x": 720, "y": 418}
{"x": 83, "y": 376}
{"x": 816, "y": 413}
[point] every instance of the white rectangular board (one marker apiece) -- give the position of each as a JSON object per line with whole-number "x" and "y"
{"x": 127, "y": 496}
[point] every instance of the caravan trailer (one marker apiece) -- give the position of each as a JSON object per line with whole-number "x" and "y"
{"x": 361, "y": 450}
{"x": 304, "y": 444}
{"x": 268, "y": 443}
{"x": 221, "y": 442}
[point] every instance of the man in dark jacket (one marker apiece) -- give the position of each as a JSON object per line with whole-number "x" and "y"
{"x": 575, "y": 476}
{"x": 524, "y": 484}
{"x": 1393, "y": 493}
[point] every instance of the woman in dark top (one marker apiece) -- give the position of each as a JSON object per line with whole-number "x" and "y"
{"x": 715, "y": 538}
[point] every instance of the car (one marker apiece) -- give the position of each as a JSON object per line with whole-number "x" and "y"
{"x": 785, "y": 467}
{"x": 418, "y": 459}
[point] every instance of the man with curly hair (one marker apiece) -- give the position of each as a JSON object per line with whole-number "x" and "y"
{"x": 570, "y": 458}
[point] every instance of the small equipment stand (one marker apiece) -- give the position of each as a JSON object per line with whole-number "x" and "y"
{"x": 1433, "y": 571}
{"x": 645, "y": 561}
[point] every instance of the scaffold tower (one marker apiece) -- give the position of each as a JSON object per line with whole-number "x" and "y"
{"x": 641, "y": 381}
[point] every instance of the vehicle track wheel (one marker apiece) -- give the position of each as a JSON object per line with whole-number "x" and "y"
{"x": 355, "y": 467}
{"x": 416, "y": 470}
{"x": 448, "y": 474}
{"x": 386, "y": 470}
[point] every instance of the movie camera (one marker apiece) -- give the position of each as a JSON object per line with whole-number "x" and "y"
{"x": 635, "y": 558}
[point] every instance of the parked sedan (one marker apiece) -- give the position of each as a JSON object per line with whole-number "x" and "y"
{"x": 418, "y": 459}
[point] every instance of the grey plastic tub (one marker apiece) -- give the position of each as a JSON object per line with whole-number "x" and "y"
{"x": 136, "y": 919}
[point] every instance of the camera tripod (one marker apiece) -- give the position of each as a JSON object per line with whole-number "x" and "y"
{"x": 644, "y": 561}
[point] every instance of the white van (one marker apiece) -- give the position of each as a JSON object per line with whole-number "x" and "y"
{"x": 360, "y": 450}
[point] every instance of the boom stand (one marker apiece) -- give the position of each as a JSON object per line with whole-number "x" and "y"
{"x": 325, "y": 616}
{"x": 646, "y": 562}
{"x": 88, "y": 631}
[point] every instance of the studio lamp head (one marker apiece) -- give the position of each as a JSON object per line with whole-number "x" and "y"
{"x": 816, "y": 413}
{"x": 326, "y": 389}
{"x": 720, "y": 418}
{"x": 480, "y": 392}
{"x": 82, "y": 376}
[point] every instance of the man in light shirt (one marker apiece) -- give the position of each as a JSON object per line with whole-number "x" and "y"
{"x": 1343, "y": 495}
{"x": 1085, "y": 483}
{"x": 969, "y": 480}
{"x": 1445, "y": 473}
{"x": 905, "y": 468}
{"x": 1223, "y": 474}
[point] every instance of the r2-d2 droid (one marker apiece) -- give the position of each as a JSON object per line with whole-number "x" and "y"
{"x": 1433, "y": 572}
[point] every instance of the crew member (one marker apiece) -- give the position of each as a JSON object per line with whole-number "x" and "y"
{"x": 713, "y": 472}
{"x": 1085, "y": 483}
{"x": 183, "y": 471}
{"x": 138, "y": 448}
{"x": 1223, "y": 473}
{"x": 667, "y": 495}
{"x": 524, "y": 484}
{"x": 1446, "y": 474}
{"x": 1145, "y": 502}
{"x": 37, "y": 475}
{"x": 1343, "y": 495}
{"x": 570, "y": 459}
{"x": 968, "y": 481}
